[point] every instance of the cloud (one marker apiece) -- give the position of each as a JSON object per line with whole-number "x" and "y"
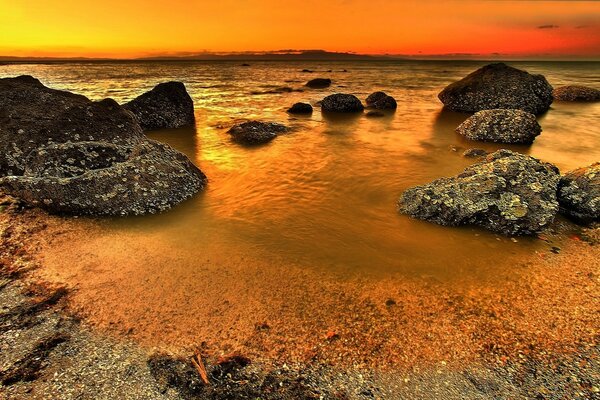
{"x": 549, "y": 26}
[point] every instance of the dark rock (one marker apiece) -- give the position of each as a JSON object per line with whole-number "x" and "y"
{"x": 300, "y": 108}
{"x": 168, "y": 105}
{"x": 498, "y": 86}
{"x": 474, "y": 153}
{"x": 319, "y": 83}
{"x": 344, "y": 103}
{"x": 576, "y": 93}
{"x": 381, "y": 101}
{"x": 306, "y": 70}
{"x": 501, "y": 125}
{"x": 375, "y": 114}
{"x": 256, "y": 132}
{"x": 508, "y": 192}
{"x": 277, "y": 90}
{"x": 579, "y": 193}
{"x": 245, "y": 65}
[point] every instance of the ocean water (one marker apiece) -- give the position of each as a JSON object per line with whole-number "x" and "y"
{"x": 323, "y": 196}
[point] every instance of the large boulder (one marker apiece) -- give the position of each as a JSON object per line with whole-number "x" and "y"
{"x": 167, "y": 105}
{"x": 341, "y": 103}
{"x": 381, "y": 101}
{"x": 256, "y": 132}
{"x": 579, "y": 193}
{"x": 502, "y": 126}
{"x": 319, "y": 83}
{"x": 507, "y": 192}
{"x": 576, "y": 93}
{"x": 498, "y": 86}
{"x": 300, "y": 108}
{"x": 67, "y": 154}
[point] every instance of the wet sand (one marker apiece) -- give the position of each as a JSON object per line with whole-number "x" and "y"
{"x": 401, "y": 333}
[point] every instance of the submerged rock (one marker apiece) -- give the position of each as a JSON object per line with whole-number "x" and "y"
{"x": 381, "y": 101}
{"x": 501, "y": 125}
{"x": 300, "y": 108}
{"x": 474, "y": 153}
{"x": 70, "y": 155}
{"x": 375, "y": 114}
{"x": 167, "y": 105}
{"x": 256, "y": 132}
{"x": 319, "y": 83}
{"x": 344, "y": 103}
{"x": 498, "y": 86}
{"x": 576, "y": 93}
{"x": 579, "y": 193}
{"x": 507, "y": 192}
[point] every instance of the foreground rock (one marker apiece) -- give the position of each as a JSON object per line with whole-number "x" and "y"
{"x": 342, "y": 103}
{"x": 256, "y": 132}
{"x": 319, "y": 83}
{"x": 381, "y": 101}
{"x": 579, "y": 193}
{"x": 502, "y": 126}
{"x": 507, "y": 192}
{"x": 168, "y": 105}
{"x": 67, "y": 154}
{"x": 300, "y": 108}
{"x": 498, "y": 86}
{"x": 576, "y": 93}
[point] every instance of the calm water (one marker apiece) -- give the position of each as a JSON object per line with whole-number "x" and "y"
{"x": 324, "y": 196}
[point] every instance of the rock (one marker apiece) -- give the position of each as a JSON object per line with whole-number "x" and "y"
{"x": 507, "y": 192}
{"x": 94, "y": 178}
{"x": 381, "y": 101}
{"x": 579, "y": 193}
{"x": 498, "y": 86}
{"x": 344, "y": 103}
{"x": 277, "y": 90}
{"x": 67, "y": 154}
{"x": 319, "y": 83}
{"x": 375, "y": 114}
{"x": 256, "y": 132}
{"x": 474, "y": 153}
{"x": 168, "y": 105}
{"x": 576, "y": 93}
{"x": 306, "y": 70}
{"x": 501, "y": 125}
{"x": 245, "y": 65}
{"x": 300, "y": 108}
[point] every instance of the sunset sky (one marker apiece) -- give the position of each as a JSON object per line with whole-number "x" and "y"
{"x": 133, "y": 28}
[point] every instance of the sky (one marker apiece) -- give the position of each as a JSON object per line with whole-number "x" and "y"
{"x": 137, "y": 28}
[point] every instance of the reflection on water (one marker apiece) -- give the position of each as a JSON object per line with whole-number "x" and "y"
{"x": 324, "y": 196}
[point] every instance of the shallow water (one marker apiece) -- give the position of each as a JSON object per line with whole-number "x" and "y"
{"x": 325, "y": 195}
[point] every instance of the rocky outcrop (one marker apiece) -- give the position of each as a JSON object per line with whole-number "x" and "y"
{"x": 168, "y": 105}
{"x": 507, "y": 192}
{"x": 381, "y": 101}
{"x": 498, "y": 86}
{"x": 300, "y": 108}
{"x": 341, "y": 103}
{"x": 502, "y": 126}
{"x": 319, "y": 83}
{"x": 579, "y": 193}
{"x": 576, "y": 93}
{"x": 67, "y": 154}
{"x": 256, "y": 132}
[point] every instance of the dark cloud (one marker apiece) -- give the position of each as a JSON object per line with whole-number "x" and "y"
{"x": 547, "y": 26}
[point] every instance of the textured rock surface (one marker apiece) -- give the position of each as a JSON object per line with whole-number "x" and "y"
{"x": 256, "y": 132}
{"x": 67, "y": 154}
{"x": 474, "y": 153}
{"x": 319, "y": 83}
{"x": 339, "y": 102}
{"x": 501, "y": 125}
{"x": 498, "y": 86}
{"x": 579, "y": 193}
{"x": 167, "y": 105}
{"x": 381, "y": 101}
{"x": 300, "y": 108}
{"x": 507, "y": 192}
{"x": 576, "y": 93}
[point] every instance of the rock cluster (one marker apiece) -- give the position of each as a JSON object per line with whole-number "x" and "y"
{"x": 501, "y": 125}
{"x": 381, "y": 101}
{"x": 576, "y": 93}
{"x": 341, "y": 103}
{"x": 507, "y": 192}
{"x": 67, "y": 154}
{"x": 498, "y": 86}
{"x": 256, "y": 132}
{"x": 167, "y": 105}
{"x": 579, "y": 193}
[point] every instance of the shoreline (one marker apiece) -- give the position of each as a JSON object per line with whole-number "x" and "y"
{"x": 552, "y": 367}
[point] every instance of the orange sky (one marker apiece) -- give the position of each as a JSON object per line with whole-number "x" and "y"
{"x": 111, "y": 28}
